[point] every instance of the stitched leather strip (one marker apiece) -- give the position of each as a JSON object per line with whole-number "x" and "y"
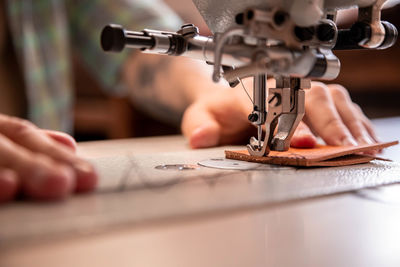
{"x": 319, "y": 156}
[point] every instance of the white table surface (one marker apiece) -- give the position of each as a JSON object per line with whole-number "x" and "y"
{"x": 358, "y": 228}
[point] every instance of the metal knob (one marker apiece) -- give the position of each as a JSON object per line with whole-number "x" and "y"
{"x": 113, "y": 38}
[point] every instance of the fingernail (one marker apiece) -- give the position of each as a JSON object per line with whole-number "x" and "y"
{"x": 349, "y": 141}
{"x": 83, "y": 167}
{"x": 202, "y": 143}
{"x": 365, "y": 140}
{"x": 86, "y": 177}
{"x": 204, "y": 137}
{"x": 377, "y": 139}
{"x": 37, "y": 177}
{"x": 49, "y": 184}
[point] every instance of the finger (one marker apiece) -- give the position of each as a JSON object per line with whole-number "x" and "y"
{"x": 39, "y": 176}
{"x": 27, "y": 135}
{"x": 371, "y": 131}
{"x": 200, "y": 127}
{"x": 86, "y": 176}
{"x": 350, "y": 115}
{"x": 62, "y": 138}
{"x": 370, "y": 128}
{"x": 323, "y": 118}
{"x": 367, "y": 124}
{"x": 303, "y": 137}
{"x": 8, "y": 184}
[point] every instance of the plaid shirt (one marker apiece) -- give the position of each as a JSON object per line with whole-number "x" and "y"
{"x": 45, "y": 32}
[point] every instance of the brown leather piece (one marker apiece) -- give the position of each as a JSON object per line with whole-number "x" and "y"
{"x": 321, "y": 155}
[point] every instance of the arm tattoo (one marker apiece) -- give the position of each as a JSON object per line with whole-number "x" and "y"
{"x": 148, "y": 72}
{"x": 154, "y": 89}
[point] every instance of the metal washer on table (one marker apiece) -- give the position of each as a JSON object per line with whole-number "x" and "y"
{"x": 177, "y": 167}
{"x": 230, "y": 164}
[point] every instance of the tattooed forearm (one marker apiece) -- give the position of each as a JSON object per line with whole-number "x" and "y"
{"x": 148, "y": 71}
{"x": 148, "y": 88}
{"x": 164, "y": 86}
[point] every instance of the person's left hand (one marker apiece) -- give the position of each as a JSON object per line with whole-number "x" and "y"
{"x": 40, "y": 164}
{"x": 220, "y": 118}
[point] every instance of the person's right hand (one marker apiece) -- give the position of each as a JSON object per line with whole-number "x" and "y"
{"x": 40, "y": 164}
{"x": 220, "y": 118}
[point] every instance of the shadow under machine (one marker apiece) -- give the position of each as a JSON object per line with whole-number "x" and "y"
{"x": 290, "y": 40}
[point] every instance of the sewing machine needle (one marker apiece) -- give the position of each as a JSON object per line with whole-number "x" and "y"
{"x": 259, "y": 128}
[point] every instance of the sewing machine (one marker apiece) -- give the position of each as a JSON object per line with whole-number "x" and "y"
{"x": 289, "y": 40}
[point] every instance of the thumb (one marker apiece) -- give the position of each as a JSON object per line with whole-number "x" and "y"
{"x": 200, "y": 127}
{"x": 303, "y": 137}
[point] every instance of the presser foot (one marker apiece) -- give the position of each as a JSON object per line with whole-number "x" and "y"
{"x": 261, "y": 147}
{"x": 285, "y": 112}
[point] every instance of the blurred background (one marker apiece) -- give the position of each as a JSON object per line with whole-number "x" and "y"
{"x": 372, "y": 78}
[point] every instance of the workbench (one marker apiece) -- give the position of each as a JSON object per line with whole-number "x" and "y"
{"x": 143, "y": 216}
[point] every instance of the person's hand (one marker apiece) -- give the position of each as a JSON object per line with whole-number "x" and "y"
{"x": 40, "y": 164}
{"x": 220, "y": 118}
{"x": 332, "y": 115}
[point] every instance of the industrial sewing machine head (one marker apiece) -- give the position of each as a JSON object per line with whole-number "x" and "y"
{"x": 290, "y": 40}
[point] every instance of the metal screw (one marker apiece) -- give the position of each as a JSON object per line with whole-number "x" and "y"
{"x": 280, "y": 17}
{"x": 188, "y": 30}
{"x": 253, "y": 117}
{"x": 275, "y": 100}
{"x": 239, "y": 19}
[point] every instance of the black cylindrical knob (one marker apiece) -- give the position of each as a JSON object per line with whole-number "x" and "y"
{"x": 326, "y": 32}
{"x": 360, "y": 32}
{"x": 113, "y": 38}
{"x": 304, "y": 33}
{"x": 353, "y": 38}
